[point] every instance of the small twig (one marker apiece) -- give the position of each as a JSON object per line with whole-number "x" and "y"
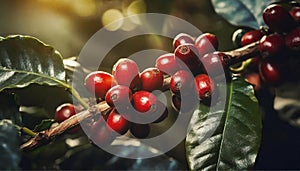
{"x": 243, "y": 53}
{"x": 44, "y": 137}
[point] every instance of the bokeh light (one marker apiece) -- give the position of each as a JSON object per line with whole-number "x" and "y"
{"x": 112, "y": 19}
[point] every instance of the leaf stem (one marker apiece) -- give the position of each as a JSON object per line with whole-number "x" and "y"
{"x": 77, "y": 97}
{"x": 26, "y": 130}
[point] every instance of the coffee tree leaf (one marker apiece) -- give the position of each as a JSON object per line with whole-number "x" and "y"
{"x": 242, "y": 12}
{"x": 9, "y": 146}
{"x": 45, "y": 124}
{"x": 25, "y": 60}
{"x": 229, "y": 138}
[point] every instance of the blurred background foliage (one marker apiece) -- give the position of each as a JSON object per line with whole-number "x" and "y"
{"x": 68, "y": 24}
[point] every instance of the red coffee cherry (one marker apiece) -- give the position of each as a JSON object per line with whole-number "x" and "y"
{"x": 144, "y": 101}
{"x": 99, "y": 82}
{"x": 118, "y": 96}
{"x": 271, "y": 45}
{"x": 295, "y": 13}
{"x": 270, "y": 73}
{"x": 126, "y": 72}
{"x": 152, "y": 79}
{"x": 181, "y": 39}
{"x": 168, "y": 64}
{"x": 277, "y": 18}
{"x": 205, "y": 87}
{"x": 238, "y": 34}
{"x": 215, "y": 63}
{"x": 206, "y": 43}
{"x": 99, "y": 133}
{"x": 254, "y": 79}
{"x": 182, "y": 83}
{"x": 251, "y": 36}
{"x": 64, "y": 112}
{"x": 188, "y": 53}
{"x": 140, "y": 130}
{"x": 117, "y": 122}
{"x": 292, "y": 39}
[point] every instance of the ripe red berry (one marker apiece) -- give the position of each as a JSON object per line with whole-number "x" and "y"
{"x": 99, "y": 82}
{"x": 144, "y": 101}
{"x": 277, "y": 18}
{"x": 64, "y": 112}
{"x": 168, "y": 64}
{"x": 140, "y": 130}
{"x": 292, "y": 39}
{"x": 270, "y": 72}
{"x": 206, "y": 43}
{"x": 182, "y": 83}
{"x": 126, "y": 72}
{"x": 214, "y": 63}
{"x": 118, "y": 96}
{"x": 99, "y": 133}
{"x": 182, "y": 38}
{"x": 117, "y": 122}
{"x": 238, "y": 34}
{"x": 152, "y": 79}
{"x": 188, "y": 53}
{"x": 295, "y": 13}
{"x": 254, "y": 79}
{"x": 271, "y": 45}
{"x": 205, "y": 87}
{"x": 251, "y": 36}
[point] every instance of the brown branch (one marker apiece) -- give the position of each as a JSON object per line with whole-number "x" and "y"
{"x": 243, "y": 53}
{"x": 46, "y": 136}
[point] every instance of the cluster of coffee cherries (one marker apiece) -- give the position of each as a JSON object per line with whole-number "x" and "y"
{"x": 133, "y": 96}
{"x": 279, "y": 46}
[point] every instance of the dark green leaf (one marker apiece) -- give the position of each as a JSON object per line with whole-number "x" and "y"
{"x": 9, "y": 108}
{"x": 242, "y": 12}
{"x": 45, "y": 124}
{"x": 25, "y": 60}
{"x": 226, "y": 138}
{"x": 9, "y": 146}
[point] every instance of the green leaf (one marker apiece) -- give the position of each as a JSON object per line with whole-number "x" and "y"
{"x": 25, "y": 60}
{"x": 9, "y": 146}
{"x": 242, "y": 12}
{"x": 45, "y": 124}
{"x": 9, "y": 108}
{"x": 226, "y": 139}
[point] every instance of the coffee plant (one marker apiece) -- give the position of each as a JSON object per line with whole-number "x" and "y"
{"x": 225, "y": 92}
